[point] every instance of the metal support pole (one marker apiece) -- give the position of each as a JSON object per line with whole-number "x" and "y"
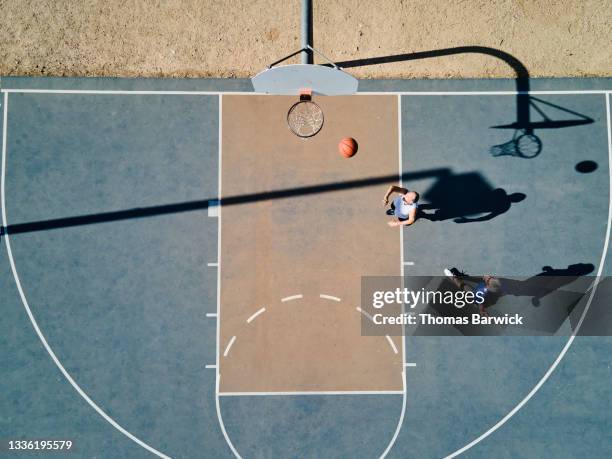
{"x": 307, "y": 57}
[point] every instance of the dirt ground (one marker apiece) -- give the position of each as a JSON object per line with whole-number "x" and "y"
{"x": 213, "y": 38}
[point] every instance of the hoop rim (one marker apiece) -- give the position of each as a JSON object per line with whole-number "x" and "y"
{"x": 309, "y": 102}
{"x": 534, "y": 139}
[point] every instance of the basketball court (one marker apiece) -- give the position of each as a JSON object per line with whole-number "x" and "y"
{"x": 211, "y": 260}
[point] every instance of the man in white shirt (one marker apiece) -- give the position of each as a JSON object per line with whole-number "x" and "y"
{"x": 404, "y": 206}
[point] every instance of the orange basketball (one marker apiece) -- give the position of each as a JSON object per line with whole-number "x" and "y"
{"x": 347, "y": 147}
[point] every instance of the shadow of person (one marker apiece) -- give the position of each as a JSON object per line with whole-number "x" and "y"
{"x": 496, "y": 203}
{"x": 551, "y": 285}
{"x": 554, "y": 294}
{"x": 546, "y": 282}
{"x": 464, "y": 198}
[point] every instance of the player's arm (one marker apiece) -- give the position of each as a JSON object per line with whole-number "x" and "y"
{"x": 410, "y": 221}
{"x": 393, "y": 189}
{"x": 411, "y": 217}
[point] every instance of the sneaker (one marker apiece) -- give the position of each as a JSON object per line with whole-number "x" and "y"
{"x": 455, "y": 277}
{"x": 390, "y": 212}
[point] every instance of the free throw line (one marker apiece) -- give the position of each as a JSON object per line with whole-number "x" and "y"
{"x": 353, "y": 392}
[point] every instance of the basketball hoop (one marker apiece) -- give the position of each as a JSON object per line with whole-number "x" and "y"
{"x": 523, "y": 145}
{"x": 528, "y": 145}
{"x": 305, "y": 118}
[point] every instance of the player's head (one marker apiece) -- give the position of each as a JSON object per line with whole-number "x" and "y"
{"x": 411, "y": 197}
{"x": 493, "y": 284}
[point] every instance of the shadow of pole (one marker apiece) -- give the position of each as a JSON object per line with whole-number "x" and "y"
{"x": 521, "y": 72}
{"x": 191, "y": 206}
{"x": 524, "y": 143}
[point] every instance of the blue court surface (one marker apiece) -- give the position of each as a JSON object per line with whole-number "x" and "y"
{"x": 109, "y": 275}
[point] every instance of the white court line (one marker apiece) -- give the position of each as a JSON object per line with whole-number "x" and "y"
{"x": 354, "y": 392}
{"x": 329, "y": 297}
{"x": 391, "y": 343}
{"x": 590, "y": 286}
{"x": 211, "y": 314}
{"x": 212, "y": 264}
{"x": 252, "y": 93}
{"x": 552, "y": 368}
{"x": 24, "y": 301}
{"x": 400, "y": 422}
{"x": 213, "y": 208}
{"x": 210, "y": 367}
{"x": 410, "y": 364}
{"x": 291, "y": 298}
{"x": 250, "y": 319}
{"x": 408, "y": 263}
{"x": 365, "y": 313}
{"x": 483, "y": 93}
{"x": 218, "y": 378}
